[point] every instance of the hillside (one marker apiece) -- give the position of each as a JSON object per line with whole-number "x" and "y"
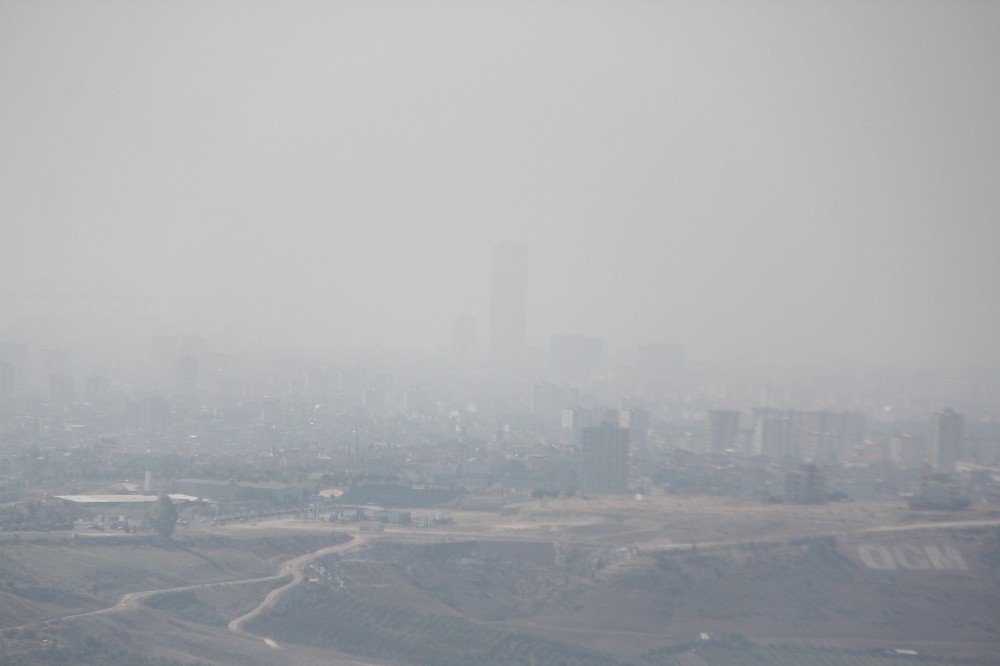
{"x": 529, "y": 602}
{"x": 46, "y": 577}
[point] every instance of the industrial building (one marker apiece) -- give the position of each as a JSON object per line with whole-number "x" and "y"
{"x": 106, "y": 509}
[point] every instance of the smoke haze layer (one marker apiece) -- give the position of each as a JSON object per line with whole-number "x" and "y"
{"x": 785, "y": 180}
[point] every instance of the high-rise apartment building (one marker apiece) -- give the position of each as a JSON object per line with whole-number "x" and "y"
{"x": 723, "y": 430}
{"x": 907, "y": 451}
{"x": 508, "y": 305}
{"x": 604, "y": 459}
{"x": 638, "y": 419}
{"x": 828, "y": 437}
{"x": 947, "y": 440}
{"x": 774, "y": 433}
{"x": 817, "y": 436}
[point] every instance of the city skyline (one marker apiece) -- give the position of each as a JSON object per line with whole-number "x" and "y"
{"x": 514, "y": 332}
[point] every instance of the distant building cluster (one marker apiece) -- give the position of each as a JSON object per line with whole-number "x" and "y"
{"x": 261, "y": 431}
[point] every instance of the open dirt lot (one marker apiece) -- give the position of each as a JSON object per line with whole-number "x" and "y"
{"x": 655, "y": 521}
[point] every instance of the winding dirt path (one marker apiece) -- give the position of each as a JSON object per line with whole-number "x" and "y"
{"x": 294, "y": 567}
{"x": 131, "y": 600}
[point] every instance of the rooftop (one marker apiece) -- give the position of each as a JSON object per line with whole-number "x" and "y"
{"x": 122, "y": 499}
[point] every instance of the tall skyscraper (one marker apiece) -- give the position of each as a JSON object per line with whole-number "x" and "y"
{"x": 947, "y": 439}
{"x": 508, "y": 305}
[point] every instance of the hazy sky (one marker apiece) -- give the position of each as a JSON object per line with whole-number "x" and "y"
{"x": 796, "y": 178}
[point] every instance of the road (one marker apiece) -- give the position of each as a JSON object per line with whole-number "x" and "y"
{"x": 294, "y": 567}
{"x": 946, "y": 524}
{"x": 131, "y": 600}
{"x": 950, "y": 524}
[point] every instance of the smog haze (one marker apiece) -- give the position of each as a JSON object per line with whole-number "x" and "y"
{"x": 777, "y": 180}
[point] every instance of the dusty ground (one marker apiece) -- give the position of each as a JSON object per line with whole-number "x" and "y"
{"x": 655, "y": 521}
{"x": 580, "y": 572}
{"x": 626, "y": 605}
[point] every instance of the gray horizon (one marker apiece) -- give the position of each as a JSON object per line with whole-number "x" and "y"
{"x": 776, "y": 180}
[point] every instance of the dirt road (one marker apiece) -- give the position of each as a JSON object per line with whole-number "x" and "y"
{"x": 942, "y": 524}
{"x": 950, "y": 524}
{"x": 131, "y": 600}
{"x": 294, "y": 567}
